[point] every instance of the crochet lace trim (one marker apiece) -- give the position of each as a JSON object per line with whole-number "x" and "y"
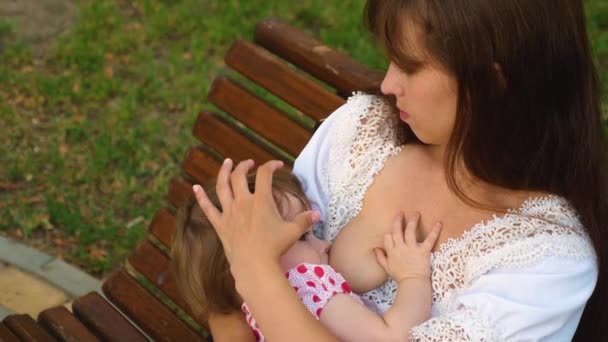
{"x": 466, "y": 324}
{"x": 366, "y": 136}
{"x": 543, "y": 227}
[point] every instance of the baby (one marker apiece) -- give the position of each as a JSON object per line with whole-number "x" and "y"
{"x": 203, "y": 276}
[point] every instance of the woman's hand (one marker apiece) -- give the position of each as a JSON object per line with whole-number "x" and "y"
{"x": 404, "y": 257}
{"x": 249, "y": 224}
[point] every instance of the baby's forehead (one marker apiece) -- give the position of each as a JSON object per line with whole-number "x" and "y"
{"x": 291, "y": 205}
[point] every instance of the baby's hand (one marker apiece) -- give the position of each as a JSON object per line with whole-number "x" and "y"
{"x": 403, "y": 256}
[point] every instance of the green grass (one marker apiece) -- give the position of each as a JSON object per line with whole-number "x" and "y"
{"x": 597, "y": 22}
{"x": 93, "y": 132}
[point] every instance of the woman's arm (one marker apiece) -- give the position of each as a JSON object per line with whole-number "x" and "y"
{"x": 230, "y": 327}
{"x": 277, "y": 308}
{"x": 254, "y": 236}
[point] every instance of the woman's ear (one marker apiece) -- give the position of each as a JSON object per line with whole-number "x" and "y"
{"x": 500, "y": 75}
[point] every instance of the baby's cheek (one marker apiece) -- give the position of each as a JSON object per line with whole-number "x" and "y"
{"x": 301, "y": 252}
{"x": 286, "y": 261}
{"x": 293, "y": 257}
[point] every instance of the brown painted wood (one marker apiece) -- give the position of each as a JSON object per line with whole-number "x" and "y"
{"x": 226, "y": 139}
{"x": 60, "y": 322}
{"x": 6, "y": 335}
{"x": 179, "y": 191}
{"x": 104, "y": 320}
{"x": 200, "y": 165}
{"x": 145, "y": 310}
{"x": 26, "y": 329}
{"x": 162, "y": 226}
{"x": 258, "y": 115}
{"x": 272, "y": 73}
{"x": 333, "y": 67}
{"x": 153, "y": 264}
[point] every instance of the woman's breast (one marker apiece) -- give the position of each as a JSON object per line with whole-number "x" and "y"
{"x": 403, "y": 185}
{"x": 352, "y": 252}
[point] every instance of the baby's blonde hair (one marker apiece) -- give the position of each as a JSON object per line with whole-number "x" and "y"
{"x": 202, "y": 272}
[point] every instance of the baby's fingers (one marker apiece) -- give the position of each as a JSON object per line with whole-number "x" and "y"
{"x": 389, "y": 244}
{"x": 382, "y": 259}
{"x": 430, "y": 240}
{"x": 410, "y": 230}
{"x": 398, "y": 229}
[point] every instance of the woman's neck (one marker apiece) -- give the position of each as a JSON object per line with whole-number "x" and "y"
{"x": 486, "y": 195}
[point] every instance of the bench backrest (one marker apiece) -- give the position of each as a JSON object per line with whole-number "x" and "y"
{"x": 311, "y": 80}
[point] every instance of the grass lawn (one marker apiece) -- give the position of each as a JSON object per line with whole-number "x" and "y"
{"x": 93, "y": 130}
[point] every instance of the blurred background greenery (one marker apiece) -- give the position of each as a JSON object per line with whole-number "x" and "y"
{"x": 96, "y": 120}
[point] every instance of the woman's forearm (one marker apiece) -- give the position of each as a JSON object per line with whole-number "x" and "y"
{"x": 230, "y": 327}
{"x": 276, "y": 307}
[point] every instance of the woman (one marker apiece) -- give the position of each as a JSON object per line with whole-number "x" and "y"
{"x": 495, "y": 131}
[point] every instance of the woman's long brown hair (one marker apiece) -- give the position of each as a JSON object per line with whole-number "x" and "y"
{"x": 528, "y": 114}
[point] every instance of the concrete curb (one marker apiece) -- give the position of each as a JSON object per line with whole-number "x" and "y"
{"x": 55, "y": 271}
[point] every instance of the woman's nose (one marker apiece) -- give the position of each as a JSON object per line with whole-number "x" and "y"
{"x": 390, "y": 83}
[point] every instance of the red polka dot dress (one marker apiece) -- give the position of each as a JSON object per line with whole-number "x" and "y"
{"x": 315, "y": 284}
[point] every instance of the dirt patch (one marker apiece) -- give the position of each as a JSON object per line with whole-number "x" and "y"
{"x": 25, "y": 293}
{"x": 38, "y": 22}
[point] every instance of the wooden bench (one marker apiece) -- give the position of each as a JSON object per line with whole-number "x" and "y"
{"x": 311, "y": 80}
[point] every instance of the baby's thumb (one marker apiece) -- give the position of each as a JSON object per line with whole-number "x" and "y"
{"x": 381, "y": 257}
{"x": 306, "y": 219}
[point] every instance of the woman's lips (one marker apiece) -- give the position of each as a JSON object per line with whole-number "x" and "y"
{"x": 403, "y": 115}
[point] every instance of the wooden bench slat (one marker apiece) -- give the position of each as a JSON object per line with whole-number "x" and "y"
{"x": 335, "y": 68}
{"x": 225, "y": 138}
{"x": 153, "y": 264}
{"x": 26, "y": 329}
{"x": 60, "y": 322}
{"x": 104, "y": 320}
{"x": 6, "y": 335}
{"x": 145, "y": 310}
{"x": 200, "y": 165}
{"x": 162, "y": 226}
{"x": 179, "y": 191}
{"x": 272, "y": 73}
{"x": 258, "y": 115}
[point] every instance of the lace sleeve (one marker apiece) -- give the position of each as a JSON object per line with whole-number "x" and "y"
{"x": 310, "y": 164}
{"x": 465, "y": 324}
{"x": 539, "y": 302}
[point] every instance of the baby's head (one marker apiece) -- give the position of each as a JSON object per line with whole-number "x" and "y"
{"x": 202, "y": 272}
{"x": 308, "y": 248}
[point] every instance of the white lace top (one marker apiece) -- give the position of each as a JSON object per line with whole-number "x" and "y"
{"x": 523, "y": 276}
